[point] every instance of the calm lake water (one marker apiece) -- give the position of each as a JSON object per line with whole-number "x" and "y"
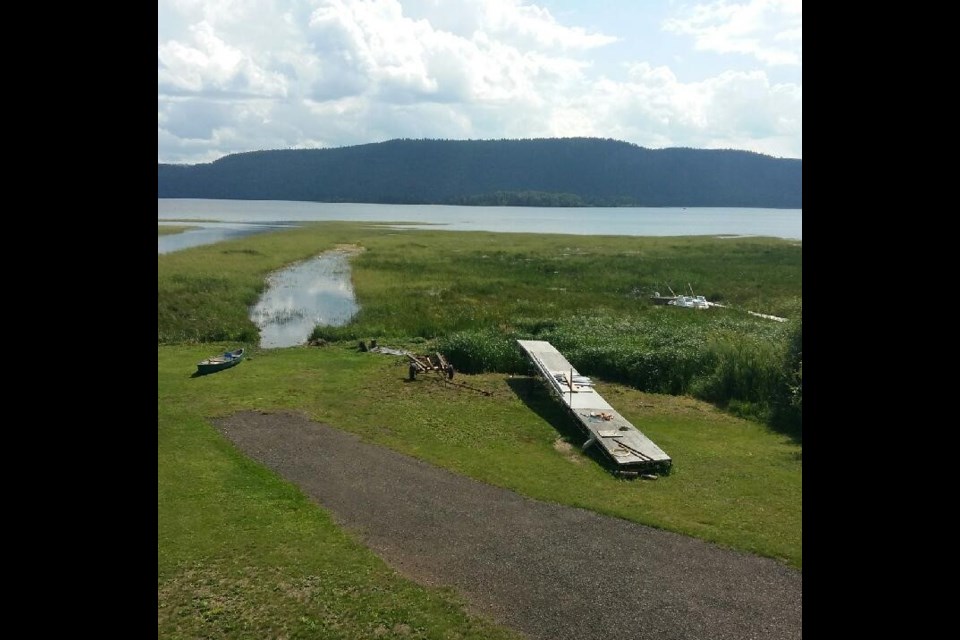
{"x": 319, "y": 291}
{"x": 209, "y": 233}
{"x": 264, "y": 215}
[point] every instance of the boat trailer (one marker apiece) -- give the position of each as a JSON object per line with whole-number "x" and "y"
{"x": 436, "y": 362}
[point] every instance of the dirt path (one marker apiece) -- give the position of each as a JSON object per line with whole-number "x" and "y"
{"x": 550, "y": 571}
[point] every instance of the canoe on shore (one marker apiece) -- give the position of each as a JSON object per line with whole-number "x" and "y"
{"x": 220, "y": 362}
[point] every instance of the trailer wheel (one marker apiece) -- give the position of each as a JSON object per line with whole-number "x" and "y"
{"x": 413, "y": 372}
{"x": 449, "y": 372}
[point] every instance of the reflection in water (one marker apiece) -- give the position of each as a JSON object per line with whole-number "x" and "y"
{"x": 299, "y": 298}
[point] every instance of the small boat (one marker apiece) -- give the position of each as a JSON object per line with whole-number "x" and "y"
{"x": 219, "y": 362}
{"x": 691, "y": 302}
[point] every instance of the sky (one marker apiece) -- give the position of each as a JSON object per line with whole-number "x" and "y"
{"x": 250, "y": 75}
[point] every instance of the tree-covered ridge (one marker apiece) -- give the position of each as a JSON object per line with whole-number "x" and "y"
{"x": 535, "y": 172}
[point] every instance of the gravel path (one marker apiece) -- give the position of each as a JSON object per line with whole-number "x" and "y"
{"x": 550, "y": 571}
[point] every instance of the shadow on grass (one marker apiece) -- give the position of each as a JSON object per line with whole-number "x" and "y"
{"x": 787, "y": 422}
{"x": 442, "y": 379}
{"x": 200, "y": 374}
{"x": 795, "y": 434}
{"x": 790, "y": 427}
{"x": 535, "y": 395}
{"x": 532, "y": 392}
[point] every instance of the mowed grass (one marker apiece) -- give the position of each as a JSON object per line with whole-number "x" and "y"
{"x": 243, "y": 554}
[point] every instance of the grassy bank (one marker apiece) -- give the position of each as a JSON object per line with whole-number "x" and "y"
{"x": 243, "y": 554}
{"x": 167, "y": 230}
{"x": 431, "y": 283}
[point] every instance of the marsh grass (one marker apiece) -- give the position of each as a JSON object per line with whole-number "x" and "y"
{"x": 166, "y": 230}
{"x": 589, "y": 295}
{"x": 424, "y": 283}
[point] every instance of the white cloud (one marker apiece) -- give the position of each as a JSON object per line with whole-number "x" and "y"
{"x": 242, "y": 75}
{"x": 737, "y": 110}
{"x": 769, "y": 30}
{"x": 511, "y": 22}
{"x": 210, "y": 65}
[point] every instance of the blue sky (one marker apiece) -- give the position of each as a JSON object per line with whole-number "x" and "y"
{"x": 246, "y": 75}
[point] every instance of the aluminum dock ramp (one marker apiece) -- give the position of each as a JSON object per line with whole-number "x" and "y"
{"x": 623, "y": 443}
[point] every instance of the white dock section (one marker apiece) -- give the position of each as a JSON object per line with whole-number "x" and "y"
{"x": 622, "y": 442}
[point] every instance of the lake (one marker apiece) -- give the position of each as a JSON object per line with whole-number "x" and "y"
{"x": 319, "y": 291}
{"x": 223, "y": 219}
{"x": 209, "y": 233}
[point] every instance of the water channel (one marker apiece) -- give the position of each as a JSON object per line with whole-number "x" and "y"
{"x": 311, "y": 293}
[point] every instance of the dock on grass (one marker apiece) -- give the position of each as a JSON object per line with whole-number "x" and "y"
{"x": 627, "y": 448}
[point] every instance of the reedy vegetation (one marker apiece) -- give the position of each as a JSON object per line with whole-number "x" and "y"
{"x": 471, "y": 294}
{"x": 166, "y": 229}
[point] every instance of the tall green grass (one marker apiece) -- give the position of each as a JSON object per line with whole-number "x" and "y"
{"x": 166, "y": 230}
{"x": 472, "y": 294}
{"x": 738, "y": 364}
{"x": 432, "y": 283}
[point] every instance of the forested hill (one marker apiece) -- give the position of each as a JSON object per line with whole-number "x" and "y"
{"x": 537, "y": 172}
